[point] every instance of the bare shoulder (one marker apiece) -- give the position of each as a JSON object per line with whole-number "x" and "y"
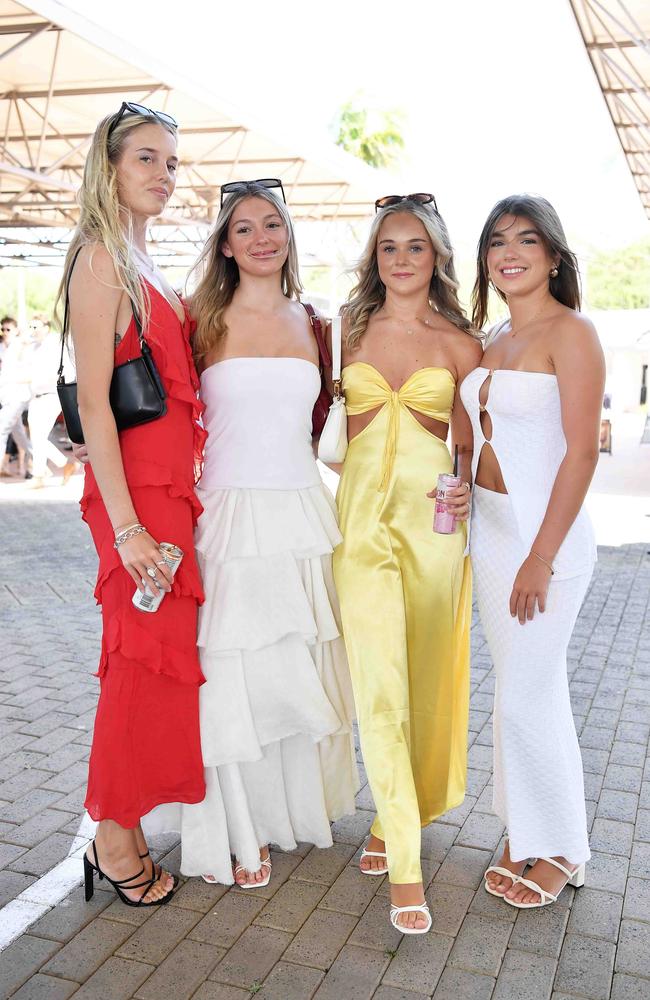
{"x": 465, "y": 348}
{"x": 573, "y": 335}
{"x": 95, "y": 263}
{"x": 469, "y": 348}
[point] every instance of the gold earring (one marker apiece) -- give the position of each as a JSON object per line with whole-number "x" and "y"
{"x": 553, "y": 273}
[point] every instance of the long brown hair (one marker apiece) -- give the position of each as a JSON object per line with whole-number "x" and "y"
{"x": 219, "y": 275}
{"x": 565, "y": 288}
{"x": 102, "y": 219}
{"x": 369, "y": 293}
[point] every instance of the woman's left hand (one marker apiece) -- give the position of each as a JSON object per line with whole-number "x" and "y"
{"x": 530, "y": 588}
{"x": 457, "y": 500}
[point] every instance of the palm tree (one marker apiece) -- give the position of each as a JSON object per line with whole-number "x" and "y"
{"x": 353, "y": 126}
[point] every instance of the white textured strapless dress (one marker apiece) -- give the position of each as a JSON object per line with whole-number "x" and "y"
{"x": 538, "y": 781}
{"x": 277, "y": 705}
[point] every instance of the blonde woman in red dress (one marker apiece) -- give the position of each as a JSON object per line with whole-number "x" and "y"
{"x": 139, "y": 491}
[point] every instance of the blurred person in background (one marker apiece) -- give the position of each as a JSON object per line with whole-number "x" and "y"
{"x": 44, "y": 406}
{"x": 15, "y": 393}
{"x": 7, "y": 330}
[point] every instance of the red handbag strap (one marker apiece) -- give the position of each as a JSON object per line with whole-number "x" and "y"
{"x": 317, "y": 326}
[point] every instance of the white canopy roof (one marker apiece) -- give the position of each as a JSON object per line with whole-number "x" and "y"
{"x": 617, "y": 36}
{"x": 59, "y": 74}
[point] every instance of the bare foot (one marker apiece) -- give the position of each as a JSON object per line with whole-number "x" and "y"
{"x": 409, "y": 894}
{"x": 500, "y": 883}
{"x": 374, "y": 864}
{"x": 546, "y": 876}
{"x": 244, "y": 877}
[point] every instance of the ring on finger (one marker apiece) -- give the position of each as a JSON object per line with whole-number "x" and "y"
{"x": 151, "y": 571}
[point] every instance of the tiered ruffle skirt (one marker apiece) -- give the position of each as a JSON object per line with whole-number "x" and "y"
{"x": 276, "y": 709}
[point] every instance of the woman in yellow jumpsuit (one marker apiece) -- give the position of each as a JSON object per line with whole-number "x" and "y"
{"x": 405, "y": 591}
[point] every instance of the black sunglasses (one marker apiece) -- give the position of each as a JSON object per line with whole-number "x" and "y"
{"x": 233, "y": 187}
{"x": 420, "y": 198}
{"x": 129, "y": 108}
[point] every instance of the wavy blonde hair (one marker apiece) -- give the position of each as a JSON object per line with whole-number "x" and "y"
{"x": 369, "y": 293}
{"x": 103, "y": 220}
{"x": 219, "y": 275}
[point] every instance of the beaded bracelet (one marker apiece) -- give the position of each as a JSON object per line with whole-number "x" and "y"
{"x": 128, "y": 533}
{"x": 541, "y": 559}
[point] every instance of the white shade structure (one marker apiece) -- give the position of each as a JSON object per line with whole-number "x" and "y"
{"x": 60, "y": 74}
{"x": 617, "y": 36}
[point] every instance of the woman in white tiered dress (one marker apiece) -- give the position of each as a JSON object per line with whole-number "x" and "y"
{"x": 277, "y": 707}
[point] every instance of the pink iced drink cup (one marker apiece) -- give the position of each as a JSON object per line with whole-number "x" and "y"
{"x": 444, "y": 521}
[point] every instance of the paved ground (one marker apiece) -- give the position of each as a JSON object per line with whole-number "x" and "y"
{"x": 320, "y": 929}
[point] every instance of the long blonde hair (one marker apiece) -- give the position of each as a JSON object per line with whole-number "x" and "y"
{"x": 369, "y": 293}
{"x": 103, "y": 220}
{"x": 219, "y": 275}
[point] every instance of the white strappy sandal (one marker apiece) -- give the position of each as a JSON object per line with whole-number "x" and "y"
{"x": 396, "y": 911}
{"x": 372, "y": 871}
{"x": 505, "y": 873}
{"x": 575, "y": 878}
{"x": 265, "y": 863}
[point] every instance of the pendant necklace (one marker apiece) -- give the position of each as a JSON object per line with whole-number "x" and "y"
{"x": 410, "y": 330}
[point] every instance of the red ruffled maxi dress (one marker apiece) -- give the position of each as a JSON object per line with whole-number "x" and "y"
{"x": 146, "y": 747}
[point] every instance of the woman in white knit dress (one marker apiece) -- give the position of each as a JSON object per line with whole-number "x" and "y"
{"x": 277, "y": 707}
{"x": 535, "y": 408}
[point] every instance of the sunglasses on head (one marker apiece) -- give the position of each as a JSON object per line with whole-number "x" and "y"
{"x": 420, "y": 198}
{"x": 233, "y": 187}
{"x": 129, "y": 108}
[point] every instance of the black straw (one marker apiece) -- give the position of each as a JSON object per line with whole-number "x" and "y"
{"x": 455, "y": 459}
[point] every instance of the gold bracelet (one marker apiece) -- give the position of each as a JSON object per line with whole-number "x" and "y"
{"x": 541, "y": 559}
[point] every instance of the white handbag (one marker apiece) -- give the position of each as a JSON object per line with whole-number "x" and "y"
{"x": 333, "y": 442}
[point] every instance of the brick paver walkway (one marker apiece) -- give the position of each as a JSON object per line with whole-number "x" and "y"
{"x": 319, "y": 929}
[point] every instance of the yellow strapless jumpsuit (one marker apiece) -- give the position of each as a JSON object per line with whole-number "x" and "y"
{"x": 405, "y": 596}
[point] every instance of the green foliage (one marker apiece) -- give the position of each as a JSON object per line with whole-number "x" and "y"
{"x": 40, "y": 288}
{"x": 374, "y": 137}
{"x": 620, "y": 279}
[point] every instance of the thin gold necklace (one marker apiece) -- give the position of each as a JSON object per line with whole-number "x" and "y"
{"x": 515, "y": 333}
{"x": 409, "y": 329}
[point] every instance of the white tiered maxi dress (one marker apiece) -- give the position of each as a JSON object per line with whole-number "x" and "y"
{"x": 277, "y": 705}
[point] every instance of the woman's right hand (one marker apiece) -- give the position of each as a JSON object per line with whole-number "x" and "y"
{"x": 138, "y": 555}
{"x": 457, "y": 500}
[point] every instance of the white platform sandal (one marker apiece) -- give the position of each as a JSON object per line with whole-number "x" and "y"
{"x": 265, "y": 863}
{"x": 396, "y": 911}
{"x": 575, "y": 878}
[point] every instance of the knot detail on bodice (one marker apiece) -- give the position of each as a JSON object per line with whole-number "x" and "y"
{"x": 429, "y": 391}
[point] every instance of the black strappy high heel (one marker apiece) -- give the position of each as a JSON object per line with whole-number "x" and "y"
{"x": 157, "y": 869}
{"x": 120, "y": 884}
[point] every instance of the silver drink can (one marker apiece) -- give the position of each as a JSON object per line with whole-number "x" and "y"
{"x": 149, "y": 601}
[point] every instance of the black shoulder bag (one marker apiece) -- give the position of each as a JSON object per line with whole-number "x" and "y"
{"x": 136, "y": 393}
